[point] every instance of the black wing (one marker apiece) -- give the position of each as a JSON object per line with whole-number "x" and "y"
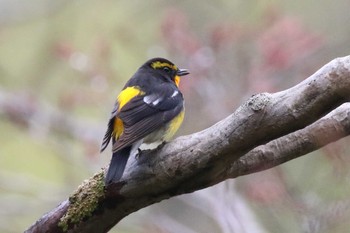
{"x": 144, "y": 114}
{"x": 108, "y": 134}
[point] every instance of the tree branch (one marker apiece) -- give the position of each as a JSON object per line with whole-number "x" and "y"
{"x": 330, "y": 128}
{"x": 280, "y": 126}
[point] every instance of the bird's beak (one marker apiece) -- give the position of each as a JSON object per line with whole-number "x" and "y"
{"x": 182, "y": 72}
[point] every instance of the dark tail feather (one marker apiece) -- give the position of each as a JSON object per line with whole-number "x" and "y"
{"x": 117, "y": 165}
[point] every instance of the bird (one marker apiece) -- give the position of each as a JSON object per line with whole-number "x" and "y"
{"x": 148, "y": 112}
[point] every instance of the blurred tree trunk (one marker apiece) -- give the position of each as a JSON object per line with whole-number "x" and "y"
{"x": 269, "y": 129}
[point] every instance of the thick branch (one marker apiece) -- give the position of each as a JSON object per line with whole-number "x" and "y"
{"x": 200, "y": 160}
{"x": 330, "y": 128}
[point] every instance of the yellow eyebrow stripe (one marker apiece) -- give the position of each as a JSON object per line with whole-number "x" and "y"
{"x": 127, "y": 94}
{"x": 158, "y": 64}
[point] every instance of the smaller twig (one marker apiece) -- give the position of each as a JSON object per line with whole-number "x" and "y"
{"x": 330, "y": 128}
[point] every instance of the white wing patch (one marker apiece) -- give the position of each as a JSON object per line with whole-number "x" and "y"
{"x": 147, "y": 99}
{"x": 156, "y": 101}
{"x": 152, "y": 99}
{"x": 174, "y": 93}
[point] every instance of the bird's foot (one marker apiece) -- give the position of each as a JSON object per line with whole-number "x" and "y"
{"x": 142, "y": 153}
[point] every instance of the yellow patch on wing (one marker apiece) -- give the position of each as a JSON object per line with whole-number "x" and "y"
{"x": 159, "y": 65}
{"x": 127, "y": 94}
{"x": 123, "y": 98}
{"x": 118, "y": 128}
{"x": 174, "y": 125}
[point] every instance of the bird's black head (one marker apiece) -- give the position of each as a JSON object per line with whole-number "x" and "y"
{"x": 166, "y": 68}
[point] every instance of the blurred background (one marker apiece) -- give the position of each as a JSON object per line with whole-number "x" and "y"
{"x": 62, "y": 64}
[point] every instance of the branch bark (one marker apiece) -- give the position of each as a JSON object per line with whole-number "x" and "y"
{"x": 269, "y": 129}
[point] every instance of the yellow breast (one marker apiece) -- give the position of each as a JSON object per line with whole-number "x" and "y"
{"x": 174, "y": 125}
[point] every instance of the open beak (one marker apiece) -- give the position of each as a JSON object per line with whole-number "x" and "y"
{"x": 182, "y": 72}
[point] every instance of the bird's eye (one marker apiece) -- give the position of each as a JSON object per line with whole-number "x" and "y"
{"x": 166, "y": 69}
